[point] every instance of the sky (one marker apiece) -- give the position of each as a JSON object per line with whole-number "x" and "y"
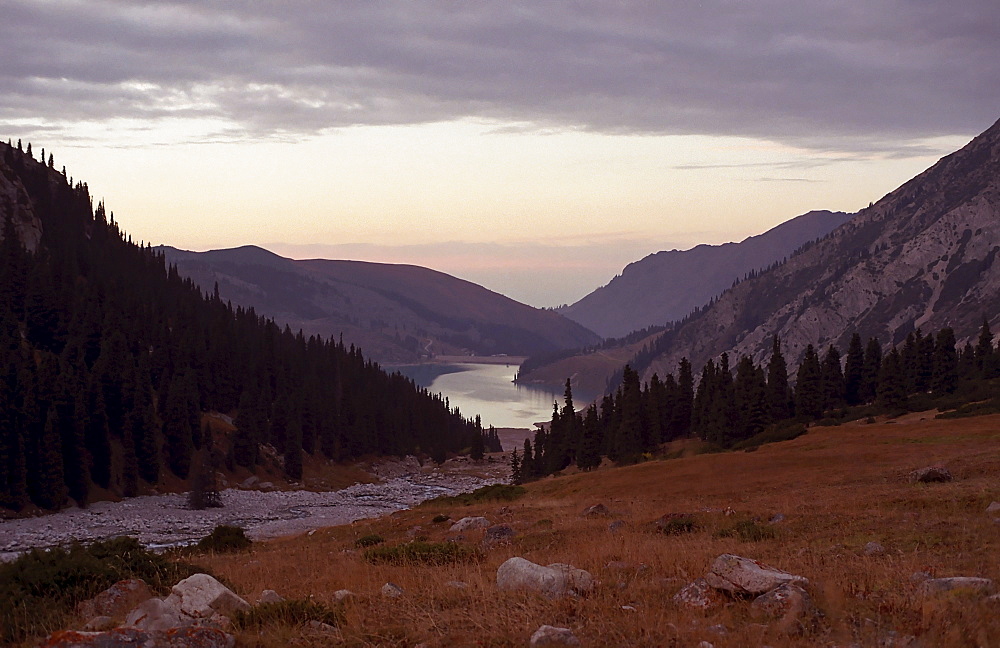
{"x": 535, "y": 148}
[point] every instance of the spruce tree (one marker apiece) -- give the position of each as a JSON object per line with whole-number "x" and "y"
{"x": 589, "y": 456}
{"x": 49, "y": 491}
{"x": 854, "y": 371}
{"x": 832, "y": 380}
{"x": 871, "y": 371}
{"x": 945, "y": 379}
{"x": 808, "y": 386}
{"x": 779, "y": 400}
{"x": 681, "y": 420}
{"x": 985, "y": 353}
{"x": 891, "y": 393}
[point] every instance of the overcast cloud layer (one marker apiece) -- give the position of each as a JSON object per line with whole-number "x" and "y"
{"x": 873, "y": 76}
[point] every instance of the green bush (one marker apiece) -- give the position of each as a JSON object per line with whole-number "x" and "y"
{"x": 225, "y": 539}
{"x": 748, "y": 531}
{"x": 286, "y": 613}
{"x": 493, "y": 492}
{"x": 369, "y": 540}
{"x": 425, "y": 553}
{"x": 41, "y": 588}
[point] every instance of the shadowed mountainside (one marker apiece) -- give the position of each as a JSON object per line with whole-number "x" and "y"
{"x": 395, "y": 312}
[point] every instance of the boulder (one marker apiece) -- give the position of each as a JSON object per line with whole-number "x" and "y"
{"x": 553, "y": 581}
{"x": 933, "y": 586}
{"x": 270, "y": 596}
{"x": 99, "y": 624}
{"x": 498, "y": 534}
{"x": 201, "y": 596}
{"x": 196, "y": 637}
{"x": 616, "y": 526}
{"x": 116, "y": 601}
{"x": 699, "y": 595}
{"x": 548, "y": 635}
{"x": 994, "y": 507}
{"x": 874, "y": 549}
{"x": 931, "y": 474}
{"x": 740, "y": 575}
{"x": 790, "y": 605}
{"x": 157, "y": 614}
{"x": 250, "y": 481}
{"x": 391, "y": 590}
{"x": 596, "y": 510}
{"x": 469, "y": 523}
{"x": 342, "y": 595}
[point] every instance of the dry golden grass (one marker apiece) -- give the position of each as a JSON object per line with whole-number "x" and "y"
{"x": 839, "y": 488}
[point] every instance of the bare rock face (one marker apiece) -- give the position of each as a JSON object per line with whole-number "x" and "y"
{"x": 555, "y": 581}
{"x": 933, "y": 586}
{"x": 791, "y": 605}
{"x": 740, "y": 575}
{"x": 699, "y": 595}
{"x": 196, "y": 637}
{"x": 547, "y": 635}
{"x": 116, "y": 601}
{"x": 469, "y": 523}
{"x": 201, "y": 596}
{"x": 931, "y": 474}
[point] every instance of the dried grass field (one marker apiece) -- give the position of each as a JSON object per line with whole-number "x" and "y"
{"x": 838, "y": 489}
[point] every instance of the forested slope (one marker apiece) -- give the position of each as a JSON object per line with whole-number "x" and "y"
{"x": 109, "y": 358}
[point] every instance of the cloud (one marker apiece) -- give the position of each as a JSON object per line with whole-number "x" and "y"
{"x": 881, "y": 76}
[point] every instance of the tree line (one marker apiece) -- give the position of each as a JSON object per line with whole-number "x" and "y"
{"x": 735, "y": 404}
{"x": 109, "y": 360}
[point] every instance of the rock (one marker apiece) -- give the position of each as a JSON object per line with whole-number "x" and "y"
{"x": 776, "y": 518}
{"x": 342, "y": 594}
{"x": 391, "y": 590}
{"x": 554, "y": 581}
{"x": 919, "y": 577}
{"x": 933, "y": 586}
{"x": 874, "y": 549}
{"x": 548, "y": 635}
{"x": 99, "y": 624}
{"x": 747, "y": 576}
{"x": 719, "y": 629}
{"x": 158, "y": 614}
{"x": 195, "y": 637}
{"x": 699, "y": 595}
{"x": 498, "y": 534}
{"x": 319, "y": 626}
{"x": 250, "y": 481}
{"x": 705, "y": 644}
{"x": 596, "y": 510}
{"x": 267, "y": 487}
{"x": 116, "y": 601}
{"x": 270, "y": 596}
{"x": 674, "y": 523}
{"x": 791, "y": 605}
{"x": 931, "y": 474}
{"x": 616, "y": 526}
{"x": 994, "y": 507}
{"x": 469, "y": 523}
{"x": 457, "y": 585}
{"x": 200, "y": 595}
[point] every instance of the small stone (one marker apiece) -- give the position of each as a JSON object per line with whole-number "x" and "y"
{"x": 705, "y": 644}
{"x": 548, "y": 635}
{"x": 874, "y": 549}
{"x": 498, "y": 534}
{"x": 319, "y": 626}
{"x": 270, "y": 596}
{"x": 776, "y": 518}
{"x": 596, "y": 510}
{"x": 616, "y": 526}
{"x": 342, "y": 594}
{"x": 457, "y": 585}
{"x": 391, "y": 590}
{"x": 933, "y": 586}
{"x": 931, "y": 474}
{"x": 994, "y": 507}
{"x": 469, "y": 523}
{"x": 790, "y": 604}
{"x": 629, "y": 608}
{"x": 699, "y": 595}
{"x": 99, "y": 624}
{"x": 719, "y": 629}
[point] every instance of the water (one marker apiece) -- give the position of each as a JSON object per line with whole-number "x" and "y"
{"x": 489, "y": 391}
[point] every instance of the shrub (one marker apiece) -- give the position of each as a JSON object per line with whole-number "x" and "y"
{"x": 748, "y": 531}
{"x": 426, "y": 553}
{"x": 439, "y": 518}
{"x": 286, "y": 613}
{"x": 41, "y": 588}
{"x": 676, "y": 524}
{"x": 493, "y": 492}
{"x": 369, "y": 540}
{"x": 225, "y": 539}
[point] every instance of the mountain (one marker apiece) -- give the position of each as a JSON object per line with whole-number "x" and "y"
{"x": 110, "y": 362}
{"x": 922, "y": 257}
{"x": 396, "y": 313}
{"x": 665, "y": 286}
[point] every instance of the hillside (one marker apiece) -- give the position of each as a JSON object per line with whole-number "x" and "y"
{"x": 396, "y": 313}
{"x": 665, "y": 286}
{"x": 810, "y": 506}
{"x": 110, "y": 361}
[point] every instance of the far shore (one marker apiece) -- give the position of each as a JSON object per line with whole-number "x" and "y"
{"x": 470, "y": 359}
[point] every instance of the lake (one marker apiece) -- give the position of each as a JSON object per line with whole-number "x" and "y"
{"x": 489, "y": 391}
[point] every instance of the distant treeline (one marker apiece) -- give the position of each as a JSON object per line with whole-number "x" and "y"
{"x": 109, "y": 359}
{"x": 731, "y": 406}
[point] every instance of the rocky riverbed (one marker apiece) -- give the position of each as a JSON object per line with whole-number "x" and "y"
{"x": 162, "y": 521}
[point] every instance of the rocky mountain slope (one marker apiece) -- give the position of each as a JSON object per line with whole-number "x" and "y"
{"x": 394, "y": 312}
{"x": 921, "y": 257}
{"x": 666, "y": 286}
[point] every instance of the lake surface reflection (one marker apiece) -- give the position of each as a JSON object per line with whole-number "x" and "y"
{"x": 489, "y": 391}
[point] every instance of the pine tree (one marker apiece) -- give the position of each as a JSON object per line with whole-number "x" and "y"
{"x": 681, "y": 420}
{"x": 629, "y": 438}
{"x": 516, "y": 477}
{"x": 871, "y": 371}
{"x": 854, "y": 371}
{"x": 779, "y": 399}
{"x": 985, "y": 353}
{"x": 178, "y": 445}
{"x": 808, "y": 386}
{"x": 589, "y": 456}
{"x": 945, "y": 378}
{"x": 832, "y": 380}
{"x": 49, "y": 490}
{"x": 891, "y": 392}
